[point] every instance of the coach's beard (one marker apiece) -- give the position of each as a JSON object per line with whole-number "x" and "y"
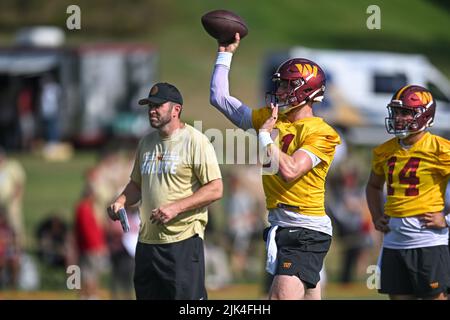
{"x": 159, "y": 122}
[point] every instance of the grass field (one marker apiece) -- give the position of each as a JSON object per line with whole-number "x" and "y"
{"x": 234, "y": 292}
{"x": 52, "y": 187}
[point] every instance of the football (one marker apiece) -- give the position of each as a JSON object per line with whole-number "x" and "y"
{"x": 223, "y": 25}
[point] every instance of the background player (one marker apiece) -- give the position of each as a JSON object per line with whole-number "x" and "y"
{"x": 415, "y": 165}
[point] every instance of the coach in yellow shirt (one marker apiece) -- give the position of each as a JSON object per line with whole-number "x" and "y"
{"x": 175, "y": 176}
{"x": 415, "y": 166}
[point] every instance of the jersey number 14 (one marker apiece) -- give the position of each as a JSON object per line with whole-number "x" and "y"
{"x": 406, "y": 176}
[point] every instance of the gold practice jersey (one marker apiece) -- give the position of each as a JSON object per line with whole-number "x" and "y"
{"x": 416, "y": 178}
{"x": 305, "y": 195}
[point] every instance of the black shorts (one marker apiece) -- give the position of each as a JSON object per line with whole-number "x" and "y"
{"x": 301, "y": 253}
{"x": 172, "y": 271}
{"x": 422, "y": 272}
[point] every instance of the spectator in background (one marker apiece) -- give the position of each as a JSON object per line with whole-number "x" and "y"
{"x": 26, "y": 117}
{"x": 12, "y": 186}
{"x": 9, "y": 125}
{"x": 108, "y": 178}
{"x": 122, "y": 247}
{"x": 50, "y": 108}
{"x": 91, "y": 244}
{"x": 9, "y": 253}
{"x": 53, "y": 240}
{"x": 217, "y": 268}
{"x": 243, "y": 222}
{"x": 353, "y": 223}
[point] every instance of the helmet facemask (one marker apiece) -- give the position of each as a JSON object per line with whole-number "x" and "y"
{"x": 419, "y": 121}
{"x": 285, "y": 98}
{"x": 291, "y": 100}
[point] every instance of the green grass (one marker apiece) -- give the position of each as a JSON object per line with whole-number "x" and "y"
{"x": 332, "y": 291}
{"x": 234, "y": 292}
{"x": 56, "y": 186}
{"x": 253, "y": 291}
{"x": 52, "y": 187}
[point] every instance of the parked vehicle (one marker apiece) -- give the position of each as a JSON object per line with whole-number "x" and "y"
{"x": 101, "y": 84}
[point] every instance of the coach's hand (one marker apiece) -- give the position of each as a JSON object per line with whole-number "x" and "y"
{"x": 433, "y": 220}
{"x": 164, "y": 213}
{"x": 113, "y": 210}
{"x": 382, "y": 224}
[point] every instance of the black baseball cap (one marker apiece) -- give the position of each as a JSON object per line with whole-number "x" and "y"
{"x": 161, "y": 93}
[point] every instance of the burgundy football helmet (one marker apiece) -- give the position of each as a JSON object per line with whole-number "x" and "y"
{"x": 303, "y": 80}
{"x": 419, "y": 102}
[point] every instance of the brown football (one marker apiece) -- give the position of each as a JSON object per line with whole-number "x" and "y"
{"x": 223, "y": 25}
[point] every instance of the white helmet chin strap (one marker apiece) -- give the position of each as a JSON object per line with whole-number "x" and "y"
{"x": 318, "y": 99}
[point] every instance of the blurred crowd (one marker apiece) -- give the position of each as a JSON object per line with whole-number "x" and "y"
{"x": 100, "y": 245}
{"x": 12, "y": 184}
{"x": 234, "y": 248}
{"x": 91, "y": 241}
{"x": 30, "y": 110}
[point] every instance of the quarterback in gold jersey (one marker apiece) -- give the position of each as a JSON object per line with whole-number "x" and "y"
{"x": 300, "y": 149}
{"x": 415, "y": 167}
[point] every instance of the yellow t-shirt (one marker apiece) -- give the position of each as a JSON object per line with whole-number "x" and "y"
{"x": 12, "y": 183}
{"x": 12, "y": 175}
{"x": 168, "y": 170}
{"x": 415, "y": 178}
{"x": 305, "y": 195}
